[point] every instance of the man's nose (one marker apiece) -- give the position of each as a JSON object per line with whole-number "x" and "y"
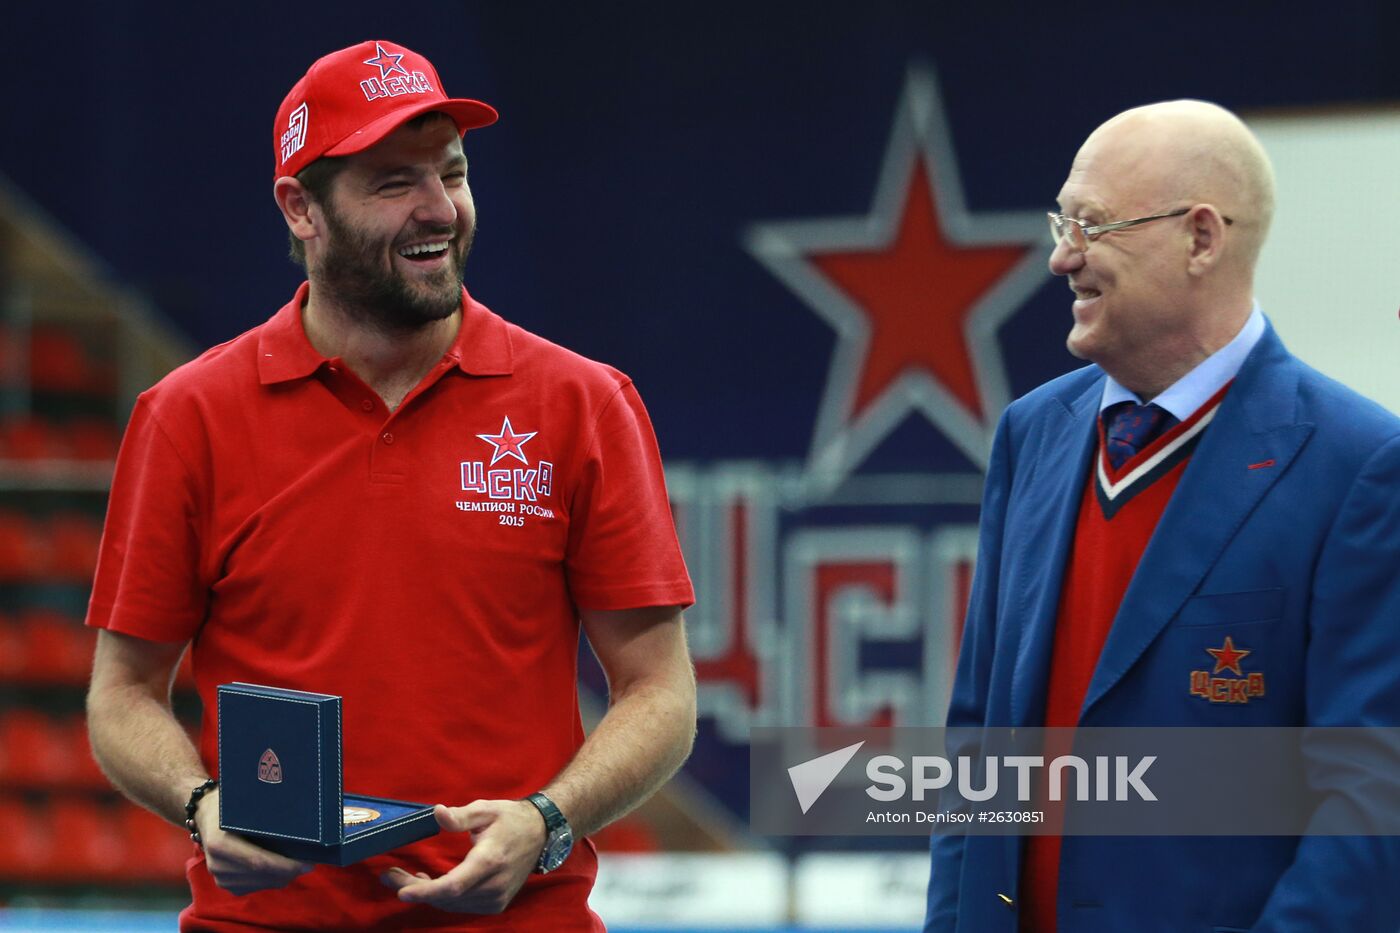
{"x": 1065, "y": 259}
{"x": 435, "y": 205}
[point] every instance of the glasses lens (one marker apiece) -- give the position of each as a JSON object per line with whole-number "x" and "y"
{"x": 1074, "y": 232}
{"x": 1062, "y": 228}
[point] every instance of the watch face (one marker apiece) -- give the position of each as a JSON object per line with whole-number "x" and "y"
{"x": 557, "y": 850}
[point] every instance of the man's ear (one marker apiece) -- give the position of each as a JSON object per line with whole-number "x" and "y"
{"x": 1207, "y": 229}
{"x": 295, "y": 203}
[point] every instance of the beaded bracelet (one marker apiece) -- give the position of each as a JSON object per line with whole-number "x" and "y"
{"x": 195, "y": 796}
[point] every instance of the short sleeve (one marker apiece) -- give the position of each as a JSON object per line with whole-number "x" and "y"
{"x": 622, "y": 548}
{"x": 147, "y": 583}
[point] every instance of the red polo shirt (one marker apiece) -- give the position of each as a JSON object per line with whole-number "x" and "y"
{"x": 427, "y": 564}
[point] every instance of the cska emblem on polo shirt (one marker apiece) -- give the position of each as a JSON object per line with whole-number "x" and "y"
{"x": 514, "y": 492}
{"x": 1238, "y": 689}
{"x": 269, "y": 768}
{"x": 507, "y": 443}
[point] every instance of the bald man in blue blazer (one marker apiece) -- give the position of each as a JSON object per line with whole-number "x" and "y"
{"x": 1195, "y": 530}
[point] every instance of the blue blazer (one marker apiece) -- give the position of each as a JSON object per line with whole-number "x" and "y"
{"x": 1301, "y": 553}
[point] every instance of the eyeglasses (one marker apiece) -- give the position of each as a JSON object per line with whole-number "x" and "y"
{"x": 1080, "y": 233}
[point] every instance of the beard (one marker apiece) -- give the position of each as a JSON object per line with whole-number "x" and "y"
{"x": 353, "y": 274}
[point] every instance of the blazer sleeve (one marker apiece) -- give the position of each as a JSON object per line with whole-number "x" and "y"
{"x": 1339, "y": 883}
{"x": 967, "y": 708}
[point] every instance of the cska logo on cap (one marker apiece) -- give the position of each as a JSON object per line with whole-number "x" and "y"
{"x": 387, "y": 62}
{"x": 295, "y": 136}
{"x": 393, "y": 78}
{"x": 1238, "y": 689}
{"x": 269, "y": 768}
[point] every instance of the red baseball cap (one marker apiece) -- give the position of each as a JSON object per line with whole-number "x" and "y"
{"x": 349, "y": 100}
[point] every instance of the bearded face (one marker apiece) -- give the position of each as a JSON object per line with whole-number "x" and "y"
{"x": 395, "y": 282}
{"x": 399, "y": 222}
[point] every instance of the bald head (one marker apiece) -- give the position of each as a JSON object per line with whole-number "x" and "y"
{"x": 1186, "y": 194}
{"x": 1186, "y": 152}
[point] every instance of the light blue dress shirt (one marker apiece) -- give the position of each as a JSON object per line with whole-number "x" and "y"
{"x": 1191, "y": 391}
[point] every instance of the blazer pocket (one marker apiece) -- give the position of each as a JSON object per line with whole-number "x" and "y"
{"x": 1232, "y": 608}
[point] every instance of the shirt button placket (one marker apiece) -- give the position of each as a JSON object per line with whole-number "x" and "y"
{"x": 385, "y": 456}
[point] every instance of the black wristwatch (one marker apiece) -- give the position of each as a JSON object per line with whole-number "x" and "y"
{"x": 559, "y": 837}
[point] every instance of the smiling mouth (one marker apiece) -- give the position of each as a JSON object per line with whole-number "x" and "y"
{"x": 1085, "y": 294}
{"x": 424, "y": 252}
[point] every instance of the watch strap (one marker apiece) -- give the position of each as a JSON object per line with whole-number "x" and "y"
{"x": 558, "y": 839}
{"x": 553, "y": 819}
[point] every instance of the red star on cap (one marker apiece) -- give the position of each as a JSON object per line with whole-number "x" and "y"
{"x": 508, "y": 443}
{"x": 387, "y": 62}
{"x": 1228, "y": 658}
{"x": 915, "y": 291}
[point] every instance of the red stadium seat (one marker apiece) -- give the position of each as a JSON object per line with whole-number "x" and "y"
{"x": 58, "y": 649}
{"x": 90, "y": 843}
{"x": 34, "y": 438}
{"x": 58, "y": 362}
{"x": 13, "y": 651}
{"x": 26, "y": 845}
{"x": 156, "y": 850}
{"x": 86, "y": 773}
{"x": 93, "y": 439}
{"x": 22, "y": 549}
{"x": 74, "y": 540}
{"x": 37, "y": 751}
{"x": 30, "y": 438}
{"x": 32, "y": 752}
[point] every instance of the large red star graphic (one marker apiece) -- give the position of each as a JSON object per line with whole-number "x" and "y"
{"x": 915, "y": 290}
{"x": 1228, "y": 657}
{"x": 508, "y": 443}
{"x": 917, "y": 293}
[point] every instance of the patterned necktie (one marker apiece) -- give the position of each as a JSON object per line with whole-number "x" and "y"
{"x": 1129, "y": 427}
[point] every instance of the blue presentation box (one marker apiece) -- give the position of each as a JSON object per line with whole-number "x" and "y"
{"x": 281, "y": 785}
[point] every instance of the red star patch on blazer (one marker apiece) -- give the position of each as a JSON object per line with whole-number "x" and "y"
{"x": 1228, "y": 657}
{"x": 1240, "y": 689}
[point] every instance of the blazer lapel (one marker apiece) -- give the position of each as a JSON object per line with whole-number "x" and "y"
{"x": 1255, "y": 425}
{"x": 1046, "y": 540}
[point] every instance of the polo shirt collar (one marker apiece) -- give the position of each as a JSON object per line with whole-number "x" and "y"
{"x": 482, "y": 346}
{"x": 284, "y": 353}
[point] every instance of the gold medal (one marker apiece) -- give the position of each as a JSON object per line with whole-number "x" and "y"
{"x": 354, "y": 816}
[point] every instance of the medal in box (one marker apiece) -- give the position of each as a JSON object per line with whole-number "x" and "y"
{"x": 281, "y": 784}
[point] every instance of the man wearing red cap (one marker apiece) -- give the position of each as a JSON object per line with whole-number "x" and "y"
{"x": 389, "y": 493}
